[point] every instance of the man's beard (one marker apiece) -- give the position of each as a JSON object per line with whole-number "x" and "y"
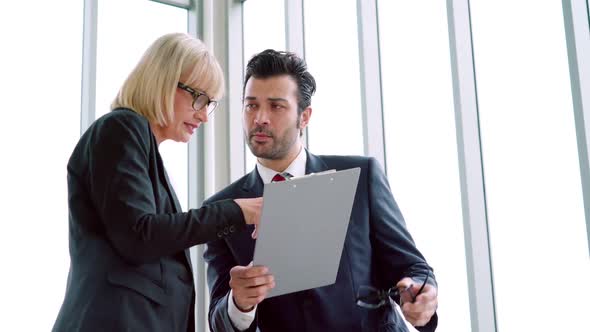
{"x": 280, "y": 145}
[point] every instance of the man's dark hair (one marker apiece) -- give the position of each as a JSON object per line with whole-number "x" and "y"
{"x": 270, "y": 63}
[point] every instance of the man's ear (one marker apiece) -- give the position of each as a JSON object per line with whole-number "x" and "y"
{"x": 304, "y": 117}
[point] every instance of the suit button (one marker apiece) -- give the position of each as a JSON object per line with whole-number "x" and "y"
{"x": 219, "y": 234}
{"x": 232, "y": 228}
{"x": 226, "y": 231}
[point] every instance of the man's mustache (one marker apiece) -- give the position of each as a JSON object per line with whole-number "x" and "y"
{"x": 260, "y": 130}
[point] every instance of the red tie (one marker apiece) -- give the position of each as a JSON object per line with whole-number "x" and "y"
{"x": 280, "y": 177}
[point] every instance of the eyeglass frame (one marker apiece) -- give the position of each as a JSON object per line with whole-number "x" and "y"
{"x": 196, "y": 94}
{"x": 385, "y": 295}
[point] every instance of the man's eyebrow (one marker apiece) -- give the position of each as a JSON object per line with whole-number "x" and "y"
{"x": 252, "y": 98}
{"x": 278, "y": 99}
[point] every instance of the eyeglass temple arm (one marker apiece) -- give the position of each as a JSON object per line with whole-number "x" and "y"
{"x": 421, "y": 287}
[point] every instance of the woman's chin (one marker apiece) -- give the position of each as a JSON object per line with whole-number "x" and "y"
{"x": 185, "y": 138}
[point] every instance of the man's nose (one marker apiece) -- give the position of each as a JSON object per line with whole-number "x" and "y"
{"x": 261, "y": 117}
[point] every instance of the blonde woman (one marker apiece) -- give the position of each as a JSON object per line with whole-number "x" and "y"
{"x": 130, "y": 267}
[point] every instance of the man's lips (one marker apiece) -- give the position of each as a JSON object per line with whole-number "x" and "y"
{"x": 260, "y": 137}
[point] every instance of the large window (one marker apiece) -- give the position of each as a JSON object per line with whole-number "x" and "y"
{"x": 331, "y": 50}
{"x": 264, "y": 28}
{"x": 421, "y": 145}
{"x": 40, "y": 74}
{"x": 125, "y": 30}
{"x": 538, "y": 240}
{"x": 532, "y": 178}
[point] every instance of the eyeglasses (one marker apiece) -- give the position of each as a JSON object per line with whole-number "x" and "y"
{"x": 373, "y": 298}
{"x": 200, "y": 99}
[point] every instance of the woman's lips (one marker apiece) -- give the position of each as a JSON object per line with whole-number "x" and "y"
{"x": 191, "y": 127}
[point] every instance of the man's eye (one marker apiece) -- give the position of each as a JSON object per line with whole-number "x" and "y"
{"x": 277, "y": 107}
{"x": 249, "y": 106}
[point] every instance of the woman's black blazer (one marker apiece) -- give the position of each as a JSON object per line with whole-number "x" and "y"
{"x": 130, "y": 268}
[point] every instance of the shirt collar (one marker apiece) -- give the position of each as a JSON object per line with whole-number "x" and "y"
{"x": 296, "y": 168}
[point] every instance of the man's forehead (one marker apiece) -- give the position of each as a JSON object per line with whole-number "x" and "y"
{"x": 276, "y": 87}
{"x": 282, "y": 81}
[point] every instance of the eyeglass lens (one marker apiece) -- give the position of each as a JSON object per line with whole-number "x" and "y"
{"x": 370, "y": 297}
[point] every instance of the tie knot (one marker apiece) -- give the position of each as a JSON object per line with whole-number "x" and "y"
{"x": 279, "y": 177}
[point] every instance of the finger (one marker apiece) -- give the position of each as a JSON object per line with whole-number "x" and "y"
{"x": 255, "y": 282}
{"x": 412, "y": 317}
{"x": 428, "y": 288}
{"x": 248, "y": 297}
{"x": 252, "y": 292}
{"x": 404, "y": 283}
{"x": 419, "y": 313}
{"x": 415, "y": 311}
{"x": 245, "y": 272}
{"x": 426, "y": 302}
{"x": 255, "y": 232}
{"x": 411, "y": 288}
{"x": 255, "y": 271}
{"x": 236, "y": 271}
{"x": 429, "y": 294}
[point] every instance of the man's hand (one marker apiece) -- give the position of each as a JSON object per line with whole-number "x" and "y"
{"x": 250, "y": 285}
{"x": 420, "y": 311}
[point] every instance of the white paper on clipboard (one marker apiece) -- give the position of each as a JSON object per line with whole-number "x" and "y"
{"x": 303, "y": 227}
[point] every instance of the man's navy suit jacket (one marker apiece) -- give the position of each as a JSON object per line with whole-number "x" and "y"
{"x": 378, "y": 251}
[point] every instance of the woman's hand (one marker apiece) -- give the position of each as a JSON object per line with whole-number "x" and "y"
{"x": 251, "y": 208}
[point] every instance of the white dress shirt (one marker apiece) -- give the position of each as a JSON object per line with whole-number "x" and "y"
{"x": 242, "y": 320}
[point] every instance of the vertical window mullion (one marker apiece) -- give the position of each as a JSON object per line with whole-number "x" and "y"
{"x": 577, "y": 32}
{"x": 294, "y": 34}
{"x": 196, "y": 186}
{"x": 370, "y": 74}
{"x": 477, "y": 249}
{"x": 89, "y": 65}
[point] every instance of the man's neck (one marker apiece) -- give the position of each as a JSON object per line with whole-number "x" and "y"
{"x": 280, "y": 165}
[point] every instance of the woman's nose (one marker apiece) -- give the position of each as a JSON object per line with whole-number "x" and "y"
{"x": 202, "y": 114}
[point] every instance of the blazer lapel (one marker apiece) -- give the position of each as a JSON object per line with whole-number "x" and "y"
{"x": 175, "y": 204}
{"x": 253, "y": 186}
{"x": 314, "y": 164}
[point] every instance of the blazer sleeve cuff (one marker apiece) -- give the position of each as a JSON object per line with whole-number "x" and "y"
{"x": 232, "y": 216}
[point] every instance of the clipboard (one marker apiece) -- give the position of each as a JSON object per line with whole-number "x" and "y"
{"x": 303, "y": 227}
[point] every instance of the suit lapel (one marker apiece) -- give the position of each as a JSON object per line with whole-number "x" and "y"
{"x": 253, "y": 184}
{"x": 314, "y": 164}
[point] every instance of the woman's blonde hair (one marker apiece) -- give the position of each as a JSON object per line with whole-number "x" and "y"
{"x": 177, "y": 57}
